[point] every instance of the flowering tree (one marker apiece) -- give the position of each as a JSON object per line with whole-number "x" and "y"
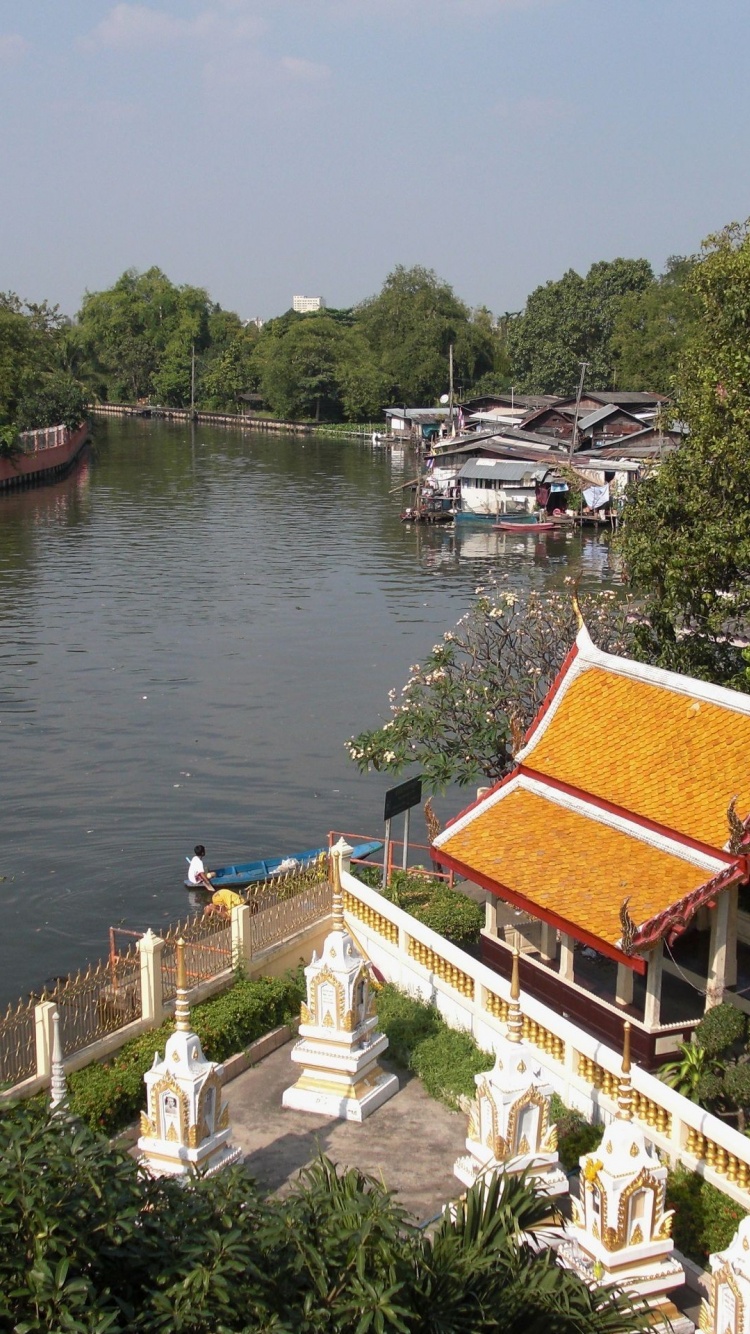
{"x": 462, "y": 714}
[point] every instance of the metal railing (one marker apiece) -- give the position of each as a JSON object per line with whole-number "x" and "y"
{"x": 275, "y": 915}
{"x": 17, "y": 1042}
{"x": 208, "y": 951}
{"x": 101, "y": 1000}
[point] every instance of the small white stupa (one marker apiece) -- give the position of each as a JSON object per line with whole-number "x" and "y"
{"x": 621, "y": 1234}
{"x": 58, "y": 1088}
{"x": 509, "y": 1130}
{"x": 186, "y": 1128}
{"x": 339, "y": 1047}
{"x": 727, "y": 1310}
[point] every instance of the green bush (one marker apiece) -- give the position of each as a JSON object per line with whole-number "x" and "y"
{"x": 575, "y": 1136}
{"x": 720, "y": 1028}
{"x": 445, "y": 1059}
{"x": 705, "y": 1219}
{"x": 454, "y": 916}
{"x": 109, "y": 1096}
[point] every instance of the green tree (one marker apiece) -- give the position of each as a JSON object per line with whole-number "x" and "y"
{"x": 27, "y": 349}
{"x": 410, "y": 326}
{"x": 89, "y": 1245}
{"x": 686, "y": 527}
{"x": 462, "y": 712}
{"x": 300, "y": 367}
{"x": 651, "y": 328}
{"x": 570, "y": 321}
{"x": 57, "y": 400}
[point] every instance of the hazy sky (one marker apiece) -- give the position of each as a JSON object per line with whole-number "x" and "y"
{"x": 265, "y": 147}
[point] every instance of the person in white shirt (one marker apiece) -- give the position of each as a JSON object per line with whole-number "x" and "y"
{"x": 197, "y": 873}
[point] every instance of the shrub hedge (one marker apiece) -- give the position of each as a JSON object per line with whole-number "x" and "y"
{"x": 109, "y": 1096}
{"x": 705, "y": 1219}
{"x": 458, "y": 918}
{"x": 445, "y": 1059}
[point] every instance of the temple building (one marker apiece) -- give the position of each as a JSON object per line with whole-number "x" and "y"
{"x": 613, "y": 853}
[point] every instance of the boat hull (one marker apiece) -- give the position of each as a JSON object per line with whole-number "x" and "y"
{"x": 249, "y": 873}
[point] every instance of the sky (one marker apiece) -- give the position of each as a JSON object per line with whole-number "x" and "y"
{"x": 262, "y": 148}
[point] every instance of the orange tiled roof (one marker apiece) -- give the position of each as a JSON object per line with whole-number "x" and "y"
{"x": 670, "y": 757}
{"x": 571, "y": 865}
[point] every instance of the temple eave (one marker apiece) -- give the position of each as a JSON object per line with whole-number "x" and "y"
{"x": 518, "y": 900}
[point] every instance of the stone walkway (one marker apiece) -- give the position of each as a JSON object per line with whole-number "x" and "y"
{"x": 411, "y": 1142}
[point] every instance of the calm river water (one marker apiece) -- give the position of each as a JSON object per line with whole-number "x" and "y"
{"x": 193, "y": 622}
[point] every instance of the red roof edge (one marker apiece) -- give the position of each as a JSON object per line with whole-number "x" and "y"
{"x": 637, "y": 964}
{"x": 570, "y": 657}
{"x": 677, "y": 917}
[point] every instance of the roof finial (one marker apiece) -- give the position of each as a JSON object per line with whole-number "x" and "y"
{"x": 515, "y": 1018}
{"x": 182, "y": 1008}
{"x": 625, "y": 1090}
{"x": 577, "y": 608}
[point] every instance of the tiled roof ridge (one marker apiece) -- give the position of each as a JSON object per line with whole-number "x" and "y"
{"x": 625, "y": 812}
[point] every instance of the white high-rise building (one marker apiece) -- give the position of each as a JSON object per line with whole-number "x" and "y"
{"x": 304, "y": 304}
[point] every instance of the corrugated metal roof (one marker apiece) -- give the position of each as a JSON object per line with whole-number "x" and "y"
{"x": 598, "y": 415}
{"x": 418, "y": 414}
{"x": 503, "y": 470}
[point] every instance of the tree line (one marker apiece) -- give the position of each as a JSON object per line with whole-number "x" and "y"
{"x": 148, "y": 338}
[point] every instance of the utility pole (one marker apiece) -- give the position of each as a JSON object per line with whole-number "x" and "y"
{"x": 450, "y": 388}
{"x": 584, "y": 365}
{"x": 192, "y": 381}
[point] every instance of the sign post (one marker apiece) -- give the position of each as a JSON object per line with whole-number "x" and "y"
{"x": 399, "y": 800}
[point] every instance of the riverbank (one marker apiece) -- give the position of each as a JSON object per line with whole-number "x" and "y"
{"x": 45, "y": 454}
{"x": 239, "y": 419}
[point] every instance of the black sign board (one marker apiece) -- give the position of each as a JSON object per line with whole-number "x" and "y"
{"x": 402, "y": 798}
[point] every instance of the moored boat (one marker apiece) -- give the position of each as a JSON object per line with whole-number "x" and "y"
{"x": 524, "y": 525}
{"x": 249, "y": 873}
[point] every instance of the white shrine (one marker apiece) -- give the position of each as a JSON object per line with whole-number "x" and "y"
{"x": 509, "y": 1129}
{"x": 620, "y": 1234}
{"x": 339, "y": 1047}
{"x": 186, "y": 1127}
{"x": 727, "y": 1310}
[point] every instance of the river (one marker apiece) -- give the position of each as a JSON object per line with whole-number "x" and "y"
{"x": 193, "y": 622}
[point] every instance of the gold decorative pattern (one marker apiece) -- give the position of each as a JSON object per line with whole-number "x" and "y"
{"x": 636, "y": 1236}
{"x": 591, "y": 1169}
{"x": 348, "y": 1022}
{"x": 524, "y": 1146}
{"x": 211, "y": 1082}
{"x": 549, "y": 1143}
{"x": 171, "y": 1135}
{"x": 634, "y": 1150}
{"x": 167, "y": 1084}
{"x": 530, "y": 1098}
{"x": 665, "y": 1227}
{"x": 223, "y": 1122}
{"x": 148, "y": 1129}
{"x": 304, "y": 1014}
{"x": 542, "y": 1038}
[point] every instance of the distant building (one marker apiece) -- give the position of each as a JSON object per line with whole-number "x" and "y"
{"x": 304, "y": 304}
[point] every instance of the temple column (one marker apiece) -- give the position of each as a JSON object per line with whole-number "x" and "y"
{"x": 733, "y": 894}
{"x": 652, "y": 1007}
{"x": 567, "y": 946}
{"x": 549, "y": 943}
{"x": 717, "y": 951}
{"x": 624, "y": 985}
{"x": 490, "y": 914}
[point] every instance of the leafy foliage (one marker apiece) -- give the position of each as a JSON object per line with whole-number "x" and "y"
{"x": 705, "y": 1219}
{"x": 461, "y": 714}
{"x": 58, "y": 400}
{"x": 445, "y": 1059}
{"x": 89, "y": 1245}
{"x": 570, "y": 321}
{"x": 445, "y": 910}
{"x": 651, "y": 328}
{"x": 575, "y": 1135}
{"x": 714, "y": 1069}
{"x": 686, "y": 528}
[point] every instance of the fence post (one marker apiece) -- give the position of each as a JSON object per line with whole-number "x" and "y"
{"x": 43, "y": 1026}
{"x": 242, "y": 938}
{"x": 150, "y": 948}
